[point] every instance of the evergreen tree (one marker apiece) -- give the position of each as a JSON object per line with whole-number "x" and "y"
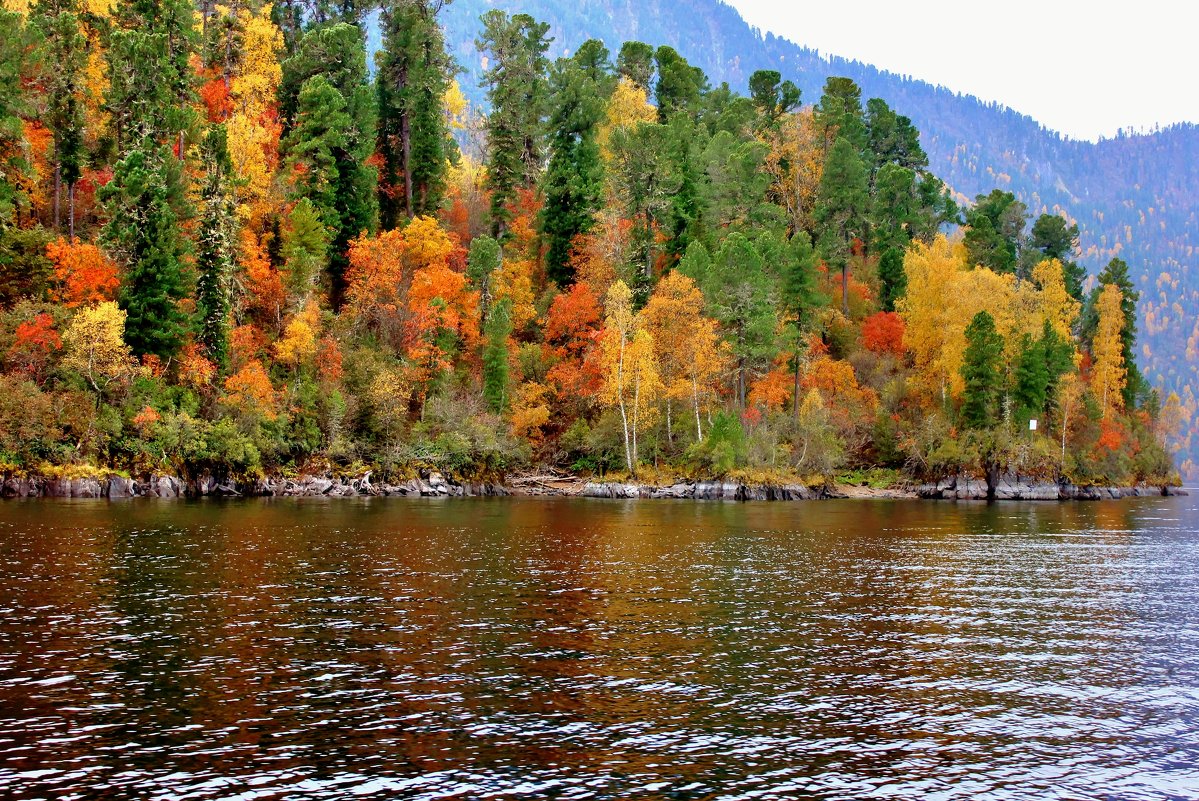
{"x": 980, "y": 369}
{"x": 329, "y": 116}
{"x": 66, "y": 58}
{"x": 481, "y": 263}
{"x": 799, "y": 298}
{"x": 495, "y": 356}
{"x": 996, "y": 234}
{"x": 739, "y": 297}
{"x": 892, "y": 139}
{"x": 772, "y": 96}
{"x": 573, "y": 181}
{"x": 215, "y": 250}
{"x": 636, "y": 62}
{"x": 1031, "y": 388}
{"x": 143, "y": 234}
{"x": 679, "y": 86}
{"x": 893, "y": 280}
{"x": 841, "y": 208}
{"x": 516, "y": 87}
{"x": 839, "y": 113}
{"x": 14, "y": 164}
{"x": 414, "y": 74}
{"x": 1053, "y": 239}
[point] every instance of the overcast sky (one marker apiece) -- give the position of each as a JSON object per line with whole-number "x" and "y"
{"x": 1082, "y": 68}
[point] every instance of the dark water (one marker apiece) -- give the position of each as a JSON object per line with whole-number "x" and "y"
{"x": 599, "y": 649}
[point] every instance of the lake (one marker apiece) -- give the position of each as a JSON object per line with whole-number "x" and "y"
{"x": 565, "y": 648}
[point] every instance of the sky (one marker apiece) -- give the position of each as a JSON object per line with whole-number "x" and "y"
{"x": 1085, "y": 69}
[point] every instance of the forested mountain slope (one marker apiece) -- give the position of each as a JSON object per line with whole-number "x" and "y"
{"x": 1133, "y": 196}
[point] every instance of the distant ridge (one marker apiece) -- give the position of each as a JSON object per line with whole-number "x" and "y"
{"x": 1133, "y": 196}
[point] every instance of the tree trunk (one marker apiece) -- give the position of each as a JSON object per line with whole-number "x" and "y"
{"x": 699, "y": 429}
{"x": 57, "y": 195}
{"x": 795, "y": 400}
{"x": 845, "y": 288}
{"x": 71, "y": 210}
{"x": 624, "y": 416}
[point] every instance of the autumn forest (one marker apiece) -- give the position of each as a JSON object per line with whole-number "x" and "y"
{"x": 235, "y": 243}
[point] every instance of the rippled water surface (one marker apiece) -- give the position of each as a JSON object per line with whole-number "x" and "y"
{"x": 599, "y": 649}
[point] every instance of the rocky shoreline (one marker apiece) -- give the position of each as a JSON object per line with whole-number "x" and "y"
{"x": 433, "y": 484}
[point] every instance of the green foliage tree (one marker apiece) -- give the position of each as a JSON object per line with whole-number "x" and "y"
{"x": 679, "y": 86}
{"x": 574, "y": 179}
{"x": 66, "y": 58}
{"x": 636, "y": 62}
{"x": 1116, "y": 273}
{"x": 1053, "y": 239}
{"x": 981, "y": 372}
{"x": 799, "y": 298}
{"x": 143, "y": 234}
{"x": 215, "y": 249}
{"x": 839, "y": 113}
{"x": 739, "y": 296}
{"x": 516, "y": 88}
{"x": 414, "y": 72}
{"x": 772, "y": 96}
{"x": 495, "y": 355}
{"x": 481, "y": 263}
{"x": 996, "y": 231}
{"x": 842, "y": 204}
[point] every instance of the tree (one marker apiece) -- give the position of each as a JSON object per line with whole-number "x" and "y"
{"x": 1109, "y": 376}
{"x": 636, "y": 64}
{"x": 414, "y": 76}
{"x": 799, "y": 298}
{"x": 644, "y": 181}
{"x": 839, "y": 113}
{"x": 215, "y": 251}
{"x": 841, "y": 209}
{"x": 143, "y": 234}
{"x": 482, "y": 262}
{"x": 1055, "y": 240}
{"x": 1116, "y": 274}
{"x": 516, "y": 88}
{"x": 679, "y": 85}
{"x": 996, "y": 232}
{"x": 980, "y": 371}
{"x": 495, "y": 356}
{"x": 574, "y": 180}
{"x": 82, "y": 273}
{"x": 631, "y": 381}
{"x": 66, "y": 56}
{"x": 772, "y": 96}
{"x": 94, "y": 345}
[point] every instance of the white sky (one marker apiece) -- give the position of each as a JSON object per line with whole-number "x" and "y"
{"x": 1085, "y": 69}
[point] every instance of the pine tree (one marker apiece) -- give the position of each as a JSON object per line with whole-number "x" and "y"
{"x": 143, "y": 234}
{"x": 414, "y": 74}
{"x": 66, "y": 57}
{"x": 215, "y": 251}
{"x": 800, "y": 298}
{"x": 841, "y": 208}
{"x": 980, "y": 370}
{"x": 573, "y": 181}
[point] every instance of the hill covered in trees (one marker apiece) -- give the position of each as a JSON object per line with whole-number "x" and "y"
{"x": 229, "y": 248}
{"x": 1133, "y": 197}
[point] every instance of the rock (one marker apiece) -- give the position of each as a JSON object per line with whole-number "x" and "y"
{"x": 1174, "y": 492}
{"x": 117, "y": 487}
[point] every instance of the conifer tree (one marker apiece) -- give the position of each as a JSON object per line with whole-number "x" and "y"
{"x": 841, "y": 208}
{"x": 980, "y": 370}
{"x": 65, "y": 59}
{"x": 495, "y": 355}
{"x": 215, "y": 249}
{"x": 143, "y": 234}
{"x": 573, "y": 182}
{"x": 800, "y": 298}
{"x": 414, "y": 74}
{"x": 516, "y": 88}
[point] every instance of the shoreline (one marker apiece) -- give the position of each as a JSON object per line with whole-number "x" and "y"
{"x": 433, "y": 485}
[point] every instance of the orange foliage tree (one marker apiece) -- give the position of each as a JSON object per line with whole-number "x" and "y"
{"x": 883, "y": 333}
{"x": 34, "y": 342}
{"x": 82, "y": 273}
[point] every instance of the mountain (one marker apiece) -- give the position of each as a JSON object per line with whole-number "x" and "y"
{"x": 1133, "y": 196}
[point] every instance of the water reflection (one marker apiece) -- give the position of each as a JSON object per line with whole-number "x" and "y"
{"x": 582, "y": 649}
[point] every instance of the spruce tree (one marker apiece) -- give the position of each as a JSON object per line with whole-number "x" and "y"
{"x": 800, "y": 298}
{"x": 574, "y": 180}
{"x": 143, "y": 234}
{"x": 980, "y": 369}
{"x": 516, "y": 88}
{"x": 414, "y": 73}
{"x": 495, "y": 355}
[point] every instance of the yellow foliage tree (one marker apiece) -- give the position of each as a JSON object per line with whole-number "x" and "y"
{"x": 297, "y": 346}
{"x": 253, "y": 127}
{"x": 513, "y": 280}
{"x": 795, "y": 164}
{"x": 1057, "y": 307}
{"x": 628, "y": 106}
{"x": 1109, "y": 372}
{"x": 631, "y": 381}
{"x": 95, "y": 346}
{"x": 689, "y": 353}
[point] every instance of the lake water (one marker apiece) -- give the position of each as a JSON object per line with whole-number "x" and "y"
{"x": 530, "y": 648}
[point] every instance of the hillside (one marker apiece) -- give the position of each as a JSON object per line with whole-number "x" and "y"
{"x": 1133, "y": 196}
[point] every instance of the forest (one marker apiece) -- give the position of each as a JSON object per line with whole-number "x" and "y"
{"x": 232, "y": 244}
